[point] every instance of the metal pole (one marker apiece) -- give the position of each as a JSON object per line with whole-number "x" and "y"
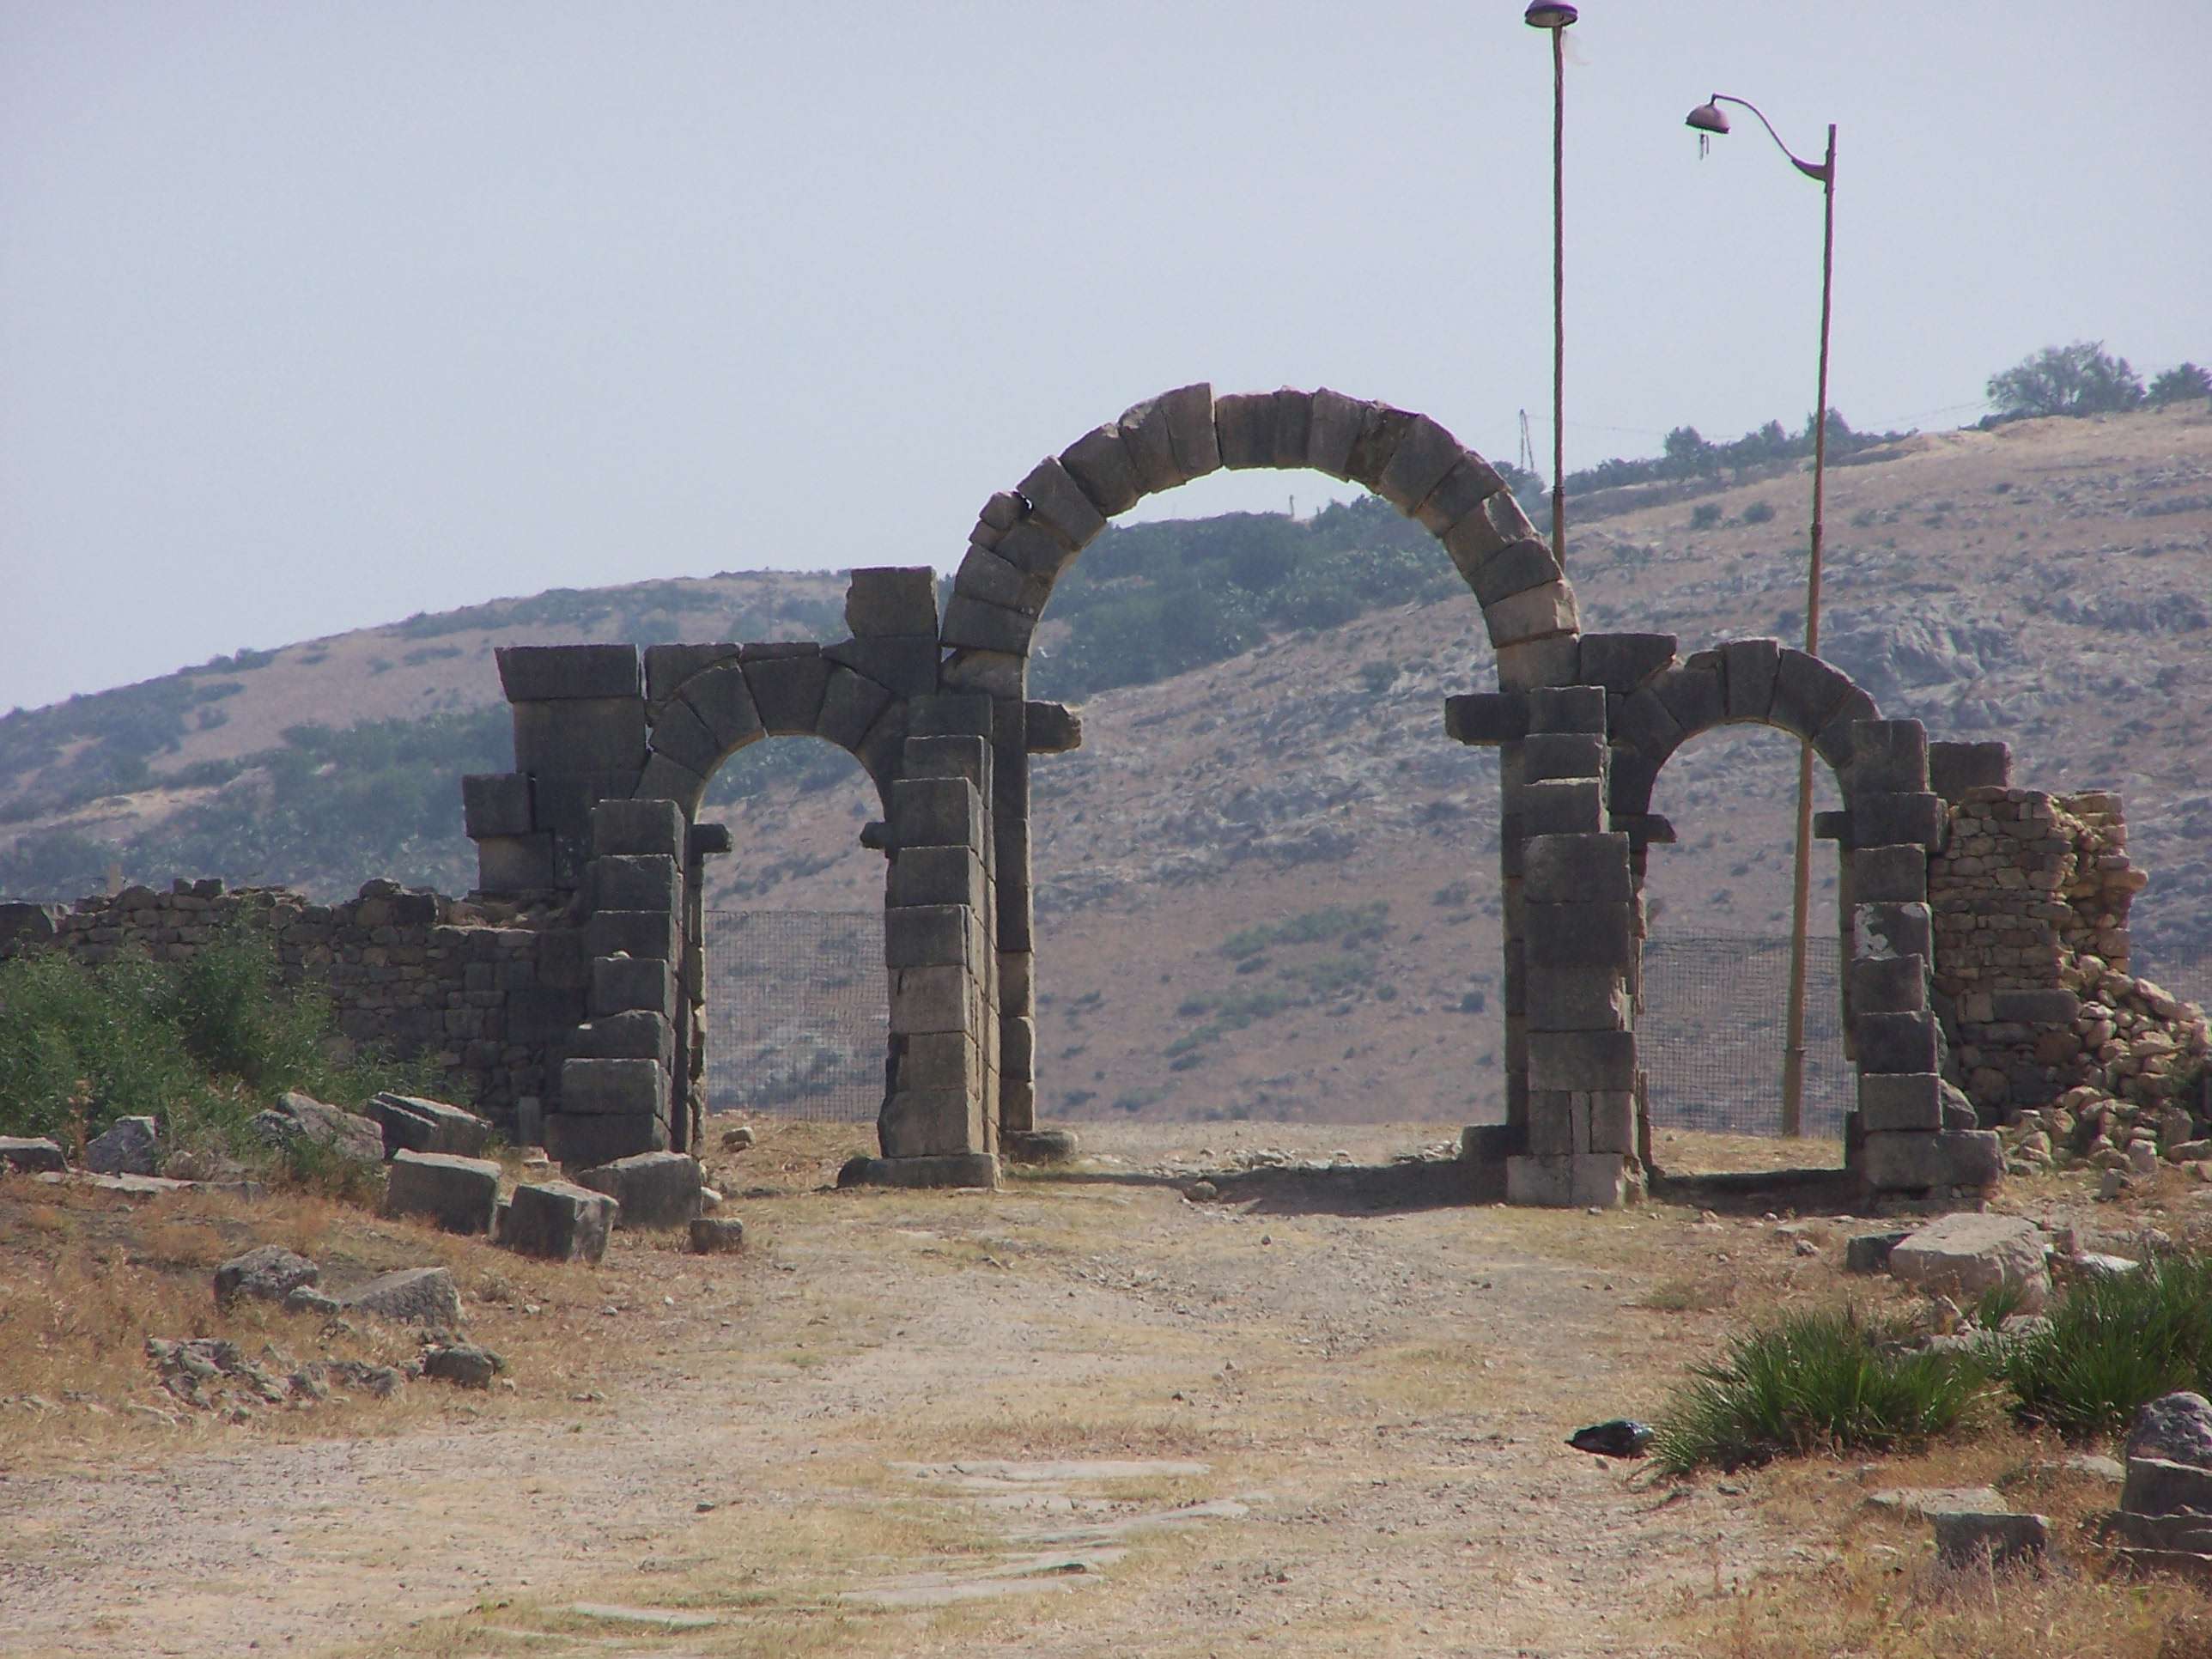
{"x": 1559, "y": 299}
{"x": 1792, "y": 1053}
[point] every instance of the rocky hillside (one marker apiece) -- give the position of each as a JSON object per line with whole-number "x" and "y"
{"x": 1267, "y": 884}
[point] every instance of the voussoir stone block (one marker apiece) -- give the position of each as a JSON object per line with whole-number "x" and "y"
{"x": 1647, "y": 724}
{"x": 1424, "y": 453}
{"x": 1058, "y": 503}
{"x": 1806, "y": 693}
{"x": 1833, "y": 741}
{"x": 678, "y": 734}
{"x": 971, "y": 622}
{"x": 788, "y": 690}
{"x": 1191, "y": 431}
{"x": 1100, "y": 465}
{"x": 1623, "y": 663}
{"x": 1244, "y": 426}
{"x": 1536, "y": 613}
{"x": 667, "y": 666}
{"x": 1330, "y": 433}
{"x": 851, "y": 703}
{"x": 1531, "y": 664}
{"x": 1749, "y": 668}
{"x": 723, "y": 701}
{"x": 1695, "y": 695}
{"x": 1470, "y": 482}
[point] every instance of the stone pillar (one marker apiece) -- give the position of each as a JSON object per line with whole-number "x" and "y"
{"x": 623, "y": 1089}
{"x": 939, "y": 1121}
{"x": 1578, "y": 929}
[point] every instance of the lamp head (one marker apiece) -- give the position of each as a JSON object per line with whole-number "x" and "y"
{"x": 1707, "y": 118}
{"x": 1549, "y": 14}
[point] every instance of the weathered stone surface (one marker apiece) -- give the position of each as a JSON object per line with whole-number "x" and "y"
{"x": 538, "y": 673}
{"x": 348, "y": 1134}
{"x": 558, "y": 1220}
{"x": 1576, "y": 869}
{"x": 951, "y": 1170}
{"x": 460, "y": 1195}
{"x": 619, "y": 1087}
{"x": 414, "y": 1124}
{"x": 410, "y": 1295}
{"x": 1962, "y": 1256}
{"x": 268, "y": 1274}
{"x": 579, "y": 1139}
{"x": 496, "y": 803}
{"x": 2176, "y": 1427}
{"x": 31, "y": 1154}
{"x": 1896, "y": 1043}
{"x": 1487, "y": 718}
{"x": 465, "y": 1365}
{"x": 2159, "y": 1485}
{"x": 1896, "y": 1101}
{"x": 1870, "y": 1253}
{"x": 716, "y": 1235}
{"x": 654, "y": 1189}
{"x": 1971, "y": 1539}
{"x": 130, "y": 1146}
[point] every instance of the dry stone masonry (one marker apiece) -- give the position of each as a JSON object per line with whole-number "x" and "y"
{"x": 1985, "y": 926}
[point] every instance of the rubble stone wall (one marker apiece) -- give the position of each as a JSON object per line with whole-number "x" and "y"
{"x": 2030, "y": 896}
{"x": 488, "y": 993}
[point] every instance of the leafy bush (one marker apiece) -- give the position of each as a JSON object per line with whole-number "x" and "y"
{"x": 200, "y": 1045}
{"x": 2113, "y": 1343}
{"x": 1820, "y": 1381}
{"x": 2180, "y": 384}
{"x": 1757, "y": 512}
{"x": 2080, "y": 378}
{"x": 1704, "y": 515}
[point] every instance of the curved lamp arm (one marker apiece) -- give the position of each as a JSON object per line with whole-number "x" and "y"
{"x": 1714, "y": 121}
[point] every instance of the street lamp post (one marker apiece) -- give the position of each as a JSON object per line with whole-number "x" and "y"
{"x": 1708, "y": 118}
{"x": 1555, "y": 16}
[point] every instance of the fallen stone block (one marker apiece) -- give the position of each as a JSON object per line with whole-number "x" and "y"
{"x": 717, "y": 1235}
{"x": 654, "y": 1189}
{"x": 270, "y": 1273}
{"x": 935, "y": 1169}
{"x": 460, "y": 1195}
{"x": 349, "y": 1134}
{"x": 415, "y": 1125}
{"x": 1972, "y": 1539}
{"x": 32, "y": 1155}
{"x": 1962, "y": 1256}
{"x": 408, "y": 1296}
{"x": 130, "y": 1146}
{"x": 559, "y": 1221}
{"x": 2159, "y": 1486}
{"x": 1870, "y": 1253}
{"x": 1936, "y": 1500}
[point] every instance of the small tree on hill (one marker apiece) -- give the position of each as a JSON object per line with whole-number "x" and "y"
{"x": 2181, "y": 384}
{"x": 2082, "y": 379}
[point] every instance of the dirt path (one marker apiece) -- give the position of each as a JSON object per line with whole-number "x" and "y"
{"x": 1084, "y": 1416}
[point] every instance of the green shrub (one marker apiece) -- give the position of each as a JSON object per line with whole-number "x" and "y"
{"x": 1816, "y": 1382}
{"x": 1759, "y": 511}
{"x": 1704, "y": 515}
{"x": 2113, "y": 1343}
{"x": 200, "y": 1045}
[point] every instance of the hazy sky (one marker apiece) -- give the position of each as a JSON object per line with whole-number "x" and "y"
{"x": 314, "y": 315}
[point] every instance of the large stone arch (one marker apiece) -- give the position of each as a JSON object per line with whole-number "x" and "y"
{"x": 1027, "y": 536}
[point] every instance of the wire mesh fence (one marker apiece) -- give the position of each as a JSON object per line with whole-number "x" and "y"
{"x": 796, "y": 1013}
{"x": 1711, "y": 1033}
{"x": 2183, "y": 970}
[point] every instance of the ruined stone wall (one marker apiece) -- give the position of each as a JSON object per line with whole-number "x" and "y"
{"x": 2030, "y": 896}
{"x": 487, "y": 992}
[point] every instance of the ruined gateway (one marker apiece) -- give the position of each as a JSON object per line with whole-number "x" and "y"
{"x": 566, "y": 994}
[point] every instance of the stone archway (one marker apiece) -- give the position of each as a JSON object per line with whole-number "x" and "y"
{"x": 1026, "y": 537}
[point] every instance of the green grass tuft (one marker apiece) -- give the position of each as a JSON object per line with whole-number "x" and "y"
{"x": 1814, "y": 1381}
{"x": 2113, "y": 1343}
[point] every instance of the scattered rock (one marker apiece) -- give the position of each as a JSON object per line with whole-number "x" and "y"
{"x": 2111, "y": 1184}
{"x": 1964, "y": 1254}
{"x": 736, "y": 1139}
{"x": 130, "y": 1146}
{"x": 710, "y": 1199}
{"x": 558, "y": 1220}
{"x": 717, "y": 1235}
{"x": 270, "y": 1273}
{"x": 306, "y": 1299}
{"x": 1869, "y": 1253}
{"x": 2159, "y": 1486}
{"x": 1202, "y": 1192}
{"x": 460, "y": 1195}
{"x": 1038, "y": 1145}
{"x": 2176, "y": 1427}
{"x": 654, "y": 1189}
{"x": 1999, "y": 1538}
{"x": 463, "y": 1363}
{"x": 32, "y": 1155}
{"x": 410, "y": 1295}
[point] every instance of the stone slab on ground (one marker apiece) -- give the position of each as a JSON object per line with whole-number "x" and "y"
{"x": 460, "y": 1195}
{"x": 1961, "y": 1255}
{"x": 269, "y": 1273}
{"x": 408, "y": 1296}
{"x": 349, "y": 1134}
{"x": 32, "y": 1155}
{"x": 717, "y": 1235}
{"x": 1935, "y": 1500}
{"x": 559, "y": 1221}
{"x": 654, "y": 1189}
{"x": 1869, "y": 1253}
{"x": 412, "y": 1123}
{"x": 130, "y": 1146}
